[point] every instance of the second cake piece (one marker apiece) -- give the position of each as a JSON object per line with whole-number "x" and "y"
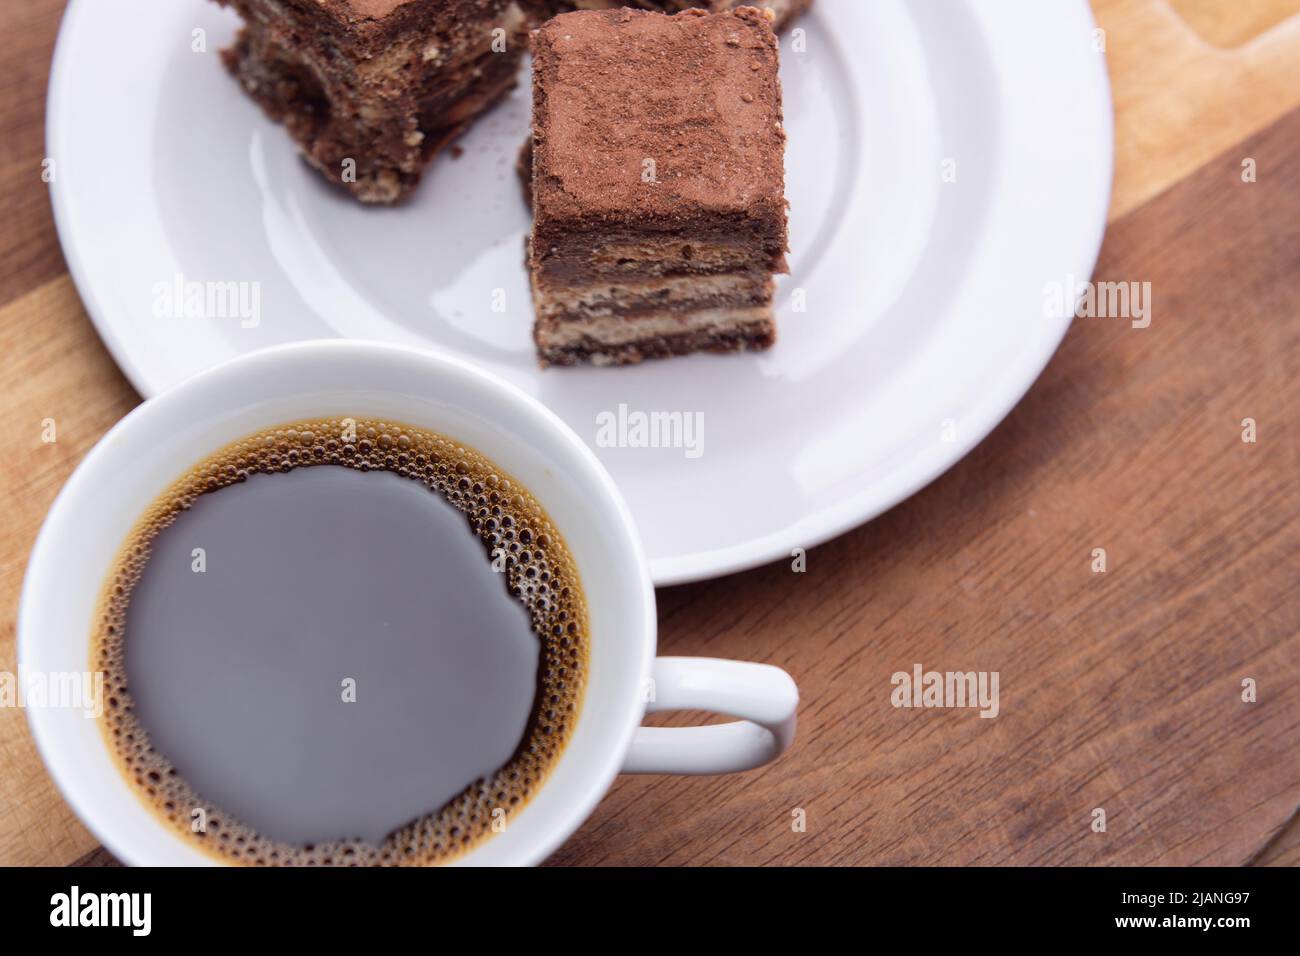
{"x": 659, "y": 211}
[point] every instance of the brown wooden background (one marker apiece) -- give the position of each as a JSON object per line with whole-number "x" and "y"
{"x": 1119, "y": 690}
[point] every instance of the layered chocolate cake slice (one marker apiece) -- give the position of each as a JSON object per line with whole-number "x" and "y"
{"x": 659, "y": 214}
{"x": 372, "y": 89}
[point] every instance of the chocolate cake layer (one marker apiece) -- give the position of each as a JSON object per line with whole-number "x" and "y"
{"x": 363, "y": 29}
{"x": 658, "y": 184}
{"x": 586, "y": 255}
{"x": 631, "y": 299}
{"x": 372, "y": 89}
{"x": 729, "y": 332}
{"x": 661, "y": 123}
{"x": 783, "y": 11}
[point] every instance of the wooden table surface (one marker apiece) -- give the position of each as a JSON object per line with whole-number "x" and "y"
{"x": 1119, "y": 690}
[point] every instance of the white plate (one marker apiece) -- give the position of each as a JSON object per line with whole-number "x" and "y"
{"x": 924, "y": 320}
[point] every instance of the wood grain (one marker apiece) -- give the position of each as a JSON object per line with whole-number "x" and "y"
{"x": 1179, "y": 101}
{"x": 52, "y": 366}
{"x": 1232, "y": 24}
{"x": 1283, "y": 849}
{"x": 29, "y": 247}
{"x": 1119, "y": 690}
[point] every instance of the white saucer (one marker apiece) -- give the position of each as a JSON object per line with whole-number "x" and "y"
{"x": 924, "y": 320}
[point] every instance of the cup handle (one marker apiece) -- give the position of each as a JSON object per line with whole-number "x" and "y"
{"x": 764, "y": 697}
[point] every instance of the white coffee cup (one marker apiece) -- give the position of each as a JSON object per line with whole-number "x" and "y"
{"x": 155, "y": 444}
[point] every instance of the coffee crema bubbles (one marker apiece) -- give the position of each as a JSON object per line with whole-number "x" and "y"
{"x": 517, "y": 536}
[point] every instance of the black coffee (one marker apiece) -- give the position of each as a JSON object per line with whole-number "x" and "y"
{"x": 342, "y": 642}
